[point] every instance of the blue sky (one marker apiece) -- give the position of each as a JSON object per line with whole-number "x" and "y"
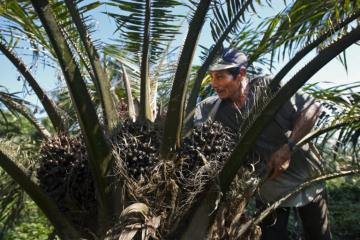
{"x": 333, "y": 72}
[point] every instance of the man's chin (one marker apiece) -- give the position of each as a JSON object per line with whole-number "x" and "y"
{"x": 222, "y": 97}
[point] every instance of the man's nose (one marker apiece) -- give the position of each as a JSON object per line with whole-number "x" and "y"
{"x": 214, "y": 83}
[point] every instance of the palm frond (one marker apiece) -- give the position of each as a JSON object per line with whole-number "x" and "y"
{"x": 99, "y": 77}
{"x": 131, "y": 25}
{"x": 300, "y": 22}
{"x": 21, "y": 18}
{"x": 147, "y": 28}
{"x": 340, "y": 116}
{"x": 312, "y": 45}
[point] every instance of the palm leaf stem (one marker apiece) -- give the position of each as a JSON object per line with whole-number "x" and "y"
{"x": 318, "y": 132}
{"x": 63, "y": 227}
{"x": 82, "y": 57}
{"x": 301, "y": 54}
{"x": 145, "y": 108}
{"x": 130, "y": 100}
{"x": 48, "y": 104}
{"x": 101, "y": 81}
{"x": 98, "y": 148}
{"x": 174, "y": 116}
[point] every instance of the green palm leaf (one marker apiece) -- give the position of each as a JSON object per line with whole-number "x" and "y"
{"x": 99, "y": 76}
{"x": 302, "y": 21}
{"x": 144, "y": 31}
{"x": 131, "y": 25}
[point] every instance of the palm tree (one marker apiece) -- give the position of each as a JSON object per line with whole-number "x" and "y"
{"x": 146, "y": 30}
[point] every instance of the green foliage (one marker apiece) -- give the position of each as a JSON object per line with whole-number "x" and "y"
{"x": 31, "y": 225}
{"x": 23, "y": 148}
{"x": 344, "y": 197}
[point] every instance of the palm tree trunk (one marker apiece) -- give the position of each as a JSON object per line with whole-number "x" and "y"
{"x": 48, "y": 104}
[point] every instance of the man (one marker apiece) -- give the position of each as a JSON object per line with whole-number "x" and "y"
{"x": 236, "y": 96}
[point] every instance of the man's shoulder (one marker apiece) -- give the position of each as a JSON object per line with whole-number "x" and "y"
{"x": 209, "y": 101}
{"x": 204, "y": 109}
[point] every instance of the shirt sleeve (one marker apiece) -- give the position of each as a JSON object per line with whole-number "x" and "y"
{"x": 203, "y": 109}
{"x": 291, "y": 110}
{"x": 300, "y": 102}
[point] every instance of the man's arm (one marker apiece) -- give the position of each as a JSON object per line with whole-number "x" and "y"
{"x": 280, "y": 160}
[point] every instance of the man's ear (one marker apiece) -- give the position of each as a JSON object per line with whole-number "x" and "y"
{"x": 243, "y": 72}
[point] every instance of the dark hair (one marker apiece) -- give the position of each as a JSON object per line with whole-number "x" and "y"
{"x": 234, "y": 71}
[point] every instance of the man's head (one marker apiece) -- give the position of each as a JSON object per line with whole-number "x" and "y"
{"x": 228, "y": 74}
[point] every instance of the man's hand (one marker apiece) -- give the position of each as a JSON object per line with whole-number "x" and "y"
{"x": 279, "y": 161}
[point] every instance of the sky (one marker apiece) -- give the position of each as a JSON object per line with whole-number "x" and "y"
{"x": 333, "y": 73}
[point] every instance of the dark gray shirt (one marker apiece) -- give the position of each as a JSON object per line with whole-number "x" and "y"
{"x": 304, "y": 163}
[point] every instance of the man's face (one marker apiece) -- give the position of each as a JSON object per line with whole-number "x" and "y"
{"x": 225, "y": 84}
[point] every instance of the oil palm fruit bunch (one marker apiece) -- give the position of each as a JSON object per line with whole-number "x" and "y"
{"x": 138, "y": 147}
{"x": 65, "y": 175}
{"x": 208, "y": 142}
